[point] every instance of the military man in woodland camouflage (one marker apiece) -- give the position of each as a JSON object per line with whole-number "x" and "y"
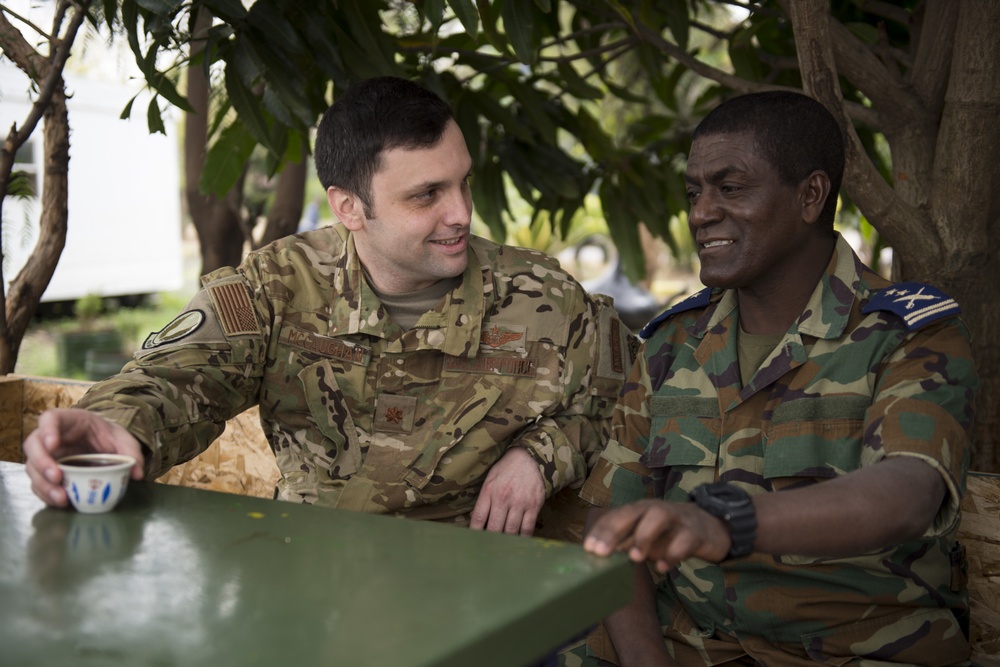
{"x": 790, "y": 449}
{"x": 401, "y": 365}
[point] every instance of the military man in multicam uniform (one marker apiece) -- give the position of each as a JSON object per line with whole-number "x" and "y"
{"x": 789, "y": 453}
{"x": 401, "y": 365}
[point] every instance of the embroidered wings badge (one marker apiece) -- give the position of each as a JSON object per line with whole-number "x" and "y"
{"x": 495, "y": 337}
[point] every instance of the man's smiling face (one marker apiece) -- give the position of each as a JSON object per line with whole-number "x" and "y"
{"x": 746, "y": 222}
{"x": 422, "y": 210}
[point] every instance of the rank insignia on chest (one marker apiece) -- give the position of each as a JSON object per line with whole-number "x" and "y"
{"x": 394, "y": 414}
{"x": 503, "y": 336}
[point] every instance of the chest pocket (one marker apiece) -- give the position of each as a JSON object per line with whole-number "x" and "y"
{"x": 683, "y": 447}
{"x": 817, "y": 438}
{"x": 330, "y": 410}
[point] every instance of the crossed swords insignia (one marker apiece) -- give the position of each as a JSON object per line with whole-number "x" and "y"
{"x": 911, "y": 299}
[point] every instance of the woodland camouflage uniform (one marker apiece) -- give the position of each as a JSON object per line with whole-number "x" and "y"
{"x": 362, "y": 415}
{"x": 850, "y": 384}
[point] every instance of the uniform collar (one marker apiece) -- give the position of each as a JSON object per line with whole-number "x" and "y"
{"x": 828, "y": 309}
{"x": 453, "y": 328}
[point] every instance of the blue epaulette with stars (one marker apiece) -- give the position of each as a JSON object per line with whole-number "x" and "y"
{"x": 916, "y": 303}
{"x": 696, "y": 300}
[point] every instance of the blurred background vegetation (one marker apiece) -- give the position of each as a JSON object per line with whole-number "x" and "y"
{"x": 577, "y": 113}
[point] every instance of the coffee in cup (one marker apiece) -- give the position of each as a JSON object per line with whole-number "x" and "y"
{"x": 95, "y": 482}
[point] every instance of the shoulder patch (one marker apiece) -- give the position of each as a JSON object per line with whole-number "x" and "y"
{"x": 916, "y": 303}
{"x": 232, "y": 303}
{"x": 696, "y": 300}
{"x": 181, "y": 327}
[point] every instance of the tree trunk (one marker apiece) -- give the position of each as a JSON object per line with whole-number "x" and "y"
{"x": 286, "y": 211}
{"x": 965, "y": 207}
{"x": 218, "y": 222}
{"x": 942, "y": 214}
{"x": 27, "y": 287}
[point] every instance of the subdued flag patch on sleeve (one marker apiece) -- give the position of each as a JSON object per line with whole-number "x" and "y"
{"x": 232, "y": 303}
{"x": 918, "y": 304}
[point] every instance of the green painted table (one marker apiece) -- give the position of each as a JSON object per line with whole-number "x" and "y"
{"x": 178, "y": 576}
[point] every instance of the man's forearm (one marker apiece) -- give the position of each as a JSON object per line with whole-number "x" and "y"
{"x": 890, "y": 502}
{"x": 635, "y": 629}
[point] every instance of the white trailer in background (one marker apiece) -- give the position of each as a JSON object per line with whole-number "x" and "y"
{"x": 124, "y": 228}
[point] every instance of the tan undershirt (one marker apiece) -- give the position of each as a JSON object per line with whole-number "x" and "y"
{"x": 753, "y": 350}
{"x": 407, "y": 308}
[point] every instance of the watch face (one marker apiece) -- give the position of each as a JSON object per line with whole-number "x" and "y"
{"x": 730, "y": 493}
{"x": 723, "y": 491}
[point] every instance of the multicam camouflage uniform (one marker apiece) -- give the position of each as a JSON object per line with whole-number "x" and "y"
{"x": 849, "y": 385}
{"x": 362, "y": 415}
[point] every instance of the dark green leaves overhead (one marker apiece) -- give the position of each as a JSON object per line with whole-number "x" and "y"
{"x": 557, "y": 99}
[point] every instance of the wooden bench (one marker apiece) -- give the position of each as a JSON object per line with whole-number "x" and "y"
{"x": 241, "y": 462}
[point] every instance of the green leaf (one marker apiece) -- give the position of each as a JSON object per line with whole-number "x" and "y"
{"x": 544, "y": 5}
{"x": 273, "y": 28}
{"x": 110, "y": 11}
{"x": 247, "y": 105}
{"x": 230, "y": 11}
{"x": 160, "y": 7}
{"x": 624, "y": 93}
{"x": 490, "y": 197}
{"x": 595, "y": 140}
{"x": 676, "y": 14}
{"x": 467, "y": 13}
{"x": 127, "y": 111}
{"x": 497, "y": 114}
{"x": 535, "y": 106}
{"x": 624, "y": 230}
{"x": 164, "y": 85}
{"x": 434, "y": 12}
{"x": 154, "y": 119}
{"x": 365, "y": 26}
{"x": 489, "y": 20}
{"x": 325, "y": 52}
{"x": 576, "y": 85}
{"x": 519, "y": 24}
{"x": 226, "y": 159}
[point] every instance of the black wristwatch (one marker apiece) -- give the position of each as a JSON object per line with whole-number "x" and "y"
{"x": 734, "y": 506}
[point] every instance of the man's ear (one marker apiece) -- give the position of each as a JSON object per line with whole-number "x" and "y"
{"x": 348, "y": 208}
{"x": 813, "y": 194}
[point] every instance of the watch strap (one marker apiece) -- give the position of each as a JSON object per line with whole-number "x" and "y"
{"x": 734, "y": 507}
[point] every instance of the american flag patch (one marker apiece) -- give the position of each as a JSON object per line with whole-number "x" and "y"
{"x": 236, "y": 314}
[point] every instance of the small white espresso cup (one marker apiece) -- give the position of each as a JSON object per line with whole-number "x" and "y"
{"x": 95, "y": 482}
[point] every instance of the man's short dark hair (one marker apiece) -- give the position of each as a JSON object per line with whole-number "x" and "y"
{"x": 373, "y": 116}
{"x": 793, "y": 132}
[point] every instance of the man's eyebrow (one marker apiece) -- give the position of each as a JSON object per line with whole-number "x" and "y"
{"x": 426, "y": 185}
{"x": 433, "y": 185}
{"x": 715, "y": 176}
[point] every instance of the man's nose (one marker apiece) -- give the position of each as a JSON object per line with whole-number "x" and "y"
{"x": 704, "y": 209}
{"x": 459, "y": 208}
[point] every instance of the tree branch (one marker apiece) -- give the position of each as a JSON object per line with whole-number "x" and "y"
{"x": 4, "y": 9}
{"x": 935, "y": 44}
{"x": 590, "y": 52}
{"x": 857, "y": 112}
{"x": 869, "y": 75}
{"x": 900, "y": 223}
{"x": 45, "y": 72}
{"x": 886, "y": 10}
{"x": 964, "y": 187}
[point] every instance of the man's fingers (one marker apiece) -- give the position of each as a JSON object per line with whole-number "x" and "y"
{"x": 480, "y": 513}
{"x": 612, "y": 529}
{"x": 528, "y": 521}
